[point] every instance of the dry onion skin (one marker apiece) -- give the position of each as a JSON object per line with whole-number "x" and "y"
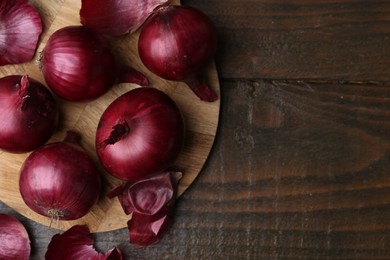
{"x": 151, "y": 201}
{"x": 117, "y": 17}
{"x": 76, "y": 243}
{"x": 21, "y": 27}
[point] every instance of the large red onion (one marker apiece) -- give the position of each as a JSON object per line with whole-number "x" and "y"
{"x": 14, "y": 240}
{"x": 177, "y": 43}
{"x": 116, "y": 17}
{"x": 140, "y": 133}
{"x": 76, "y": 243}
{"x": 20, "y": 29}
{"x": 28, "y": 114}
{"x": 78, "y": 65}
{"x": 59, "y": 180}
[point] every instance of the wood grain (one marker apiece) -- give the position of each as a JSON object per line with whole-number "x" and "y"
{"x": 201, "y": 120}
{"x": 300, "y": 39}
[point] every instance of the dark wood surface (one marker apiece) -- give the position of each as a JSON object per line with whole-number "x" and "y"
{"x": 300, "y": 165}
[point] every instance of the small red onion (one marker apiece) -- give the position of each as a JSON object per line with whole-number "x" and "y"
{"x": 78, "y": 65}
{"x": 76, "y": 243}
{"x": 177, "y": 43}
{"x": 14, "y": 240}
{"x": 140, "y": 133}
{"x": 116, "y": 17}
{"x": 20, "y": 29}
{"x": 151, "y": 202}
{"x": 59, "y": 180}
{"x": 28, "y": 114}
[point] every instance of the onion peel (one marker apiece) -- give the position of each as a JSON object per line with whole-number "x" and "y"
{"x": 76, "y": 243}
{"x": 151, "y": 202}
{"x": 21, "y": 27}
{"x": 116, "y": 18}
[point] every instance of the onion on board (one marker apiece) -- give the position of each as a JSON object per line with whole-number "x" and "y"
{"x": 140, "y": 133}
{"x": 78, "y": 65}
{"x": 177, "y": 43}
{"x": 28, "y": 114}
{"x": 59, "y": 180}
{"x": 20, "y": 29}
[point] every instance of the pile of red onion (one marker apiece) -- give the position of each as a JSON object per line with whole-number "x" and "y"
{"x": 139, "y": 135}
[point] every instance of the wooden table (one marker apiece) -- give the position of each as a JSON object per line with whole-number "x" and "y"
{"x": 300, "y": 165}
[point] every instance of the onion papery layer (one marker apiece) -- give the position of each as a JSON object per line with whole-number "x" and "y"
{"x": 151, "y": 201}
{"x": 76, "y": 243}
{"x": 117, "y": 17}
{"x": 20, "y": 29}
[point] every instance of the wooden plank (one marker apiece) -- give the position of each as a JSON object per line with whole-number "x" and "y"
{"x": 201, "y": 119}
{"x": 300, "y": 39}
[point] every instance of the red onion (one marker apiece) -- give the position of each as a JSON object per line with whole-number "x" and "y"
{"x": 20, "y": 29}
{"x": 28, "y": 114}
{"x": 76, "y": 243}
{"x": 78, "y": 65}
{"x": 14, "y": 240}
{"x": 151, "y": 202}
{"x": 177, "y": 43}
{"x": 116, "y": 17}
{"x": 59, "y": 180}
{"x": 140, "y": 133}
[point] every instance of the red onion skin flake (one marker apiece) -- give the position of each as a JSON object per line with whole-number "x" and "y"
{"x": 116, "y": 17}
{"x": 76, "y": 243}
{"x": 14, "y": 240}
{"x": 151, "y": 202}
{"x": 21, "y": 27}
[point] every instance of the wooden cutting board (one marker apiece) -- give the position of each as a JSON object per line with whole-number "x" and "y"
{"x": 201, "y": 120}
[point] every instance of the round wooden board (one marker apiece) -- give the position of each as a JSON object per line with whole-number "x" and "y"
{"x": 201, "y": 120}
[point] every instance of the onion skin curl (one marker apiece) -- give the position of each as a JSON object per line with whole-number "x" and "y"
{"x": 76, "y": 243}
{"x": 20, "y": 30}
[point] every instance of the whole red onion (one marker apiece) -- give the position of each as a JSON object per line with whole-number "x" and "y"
{"x": 78, "y": 65}
{"x": 28, "y": 114}
{"x": 20, "y": 29}
{"x": 177, "y": 43}
{"x": 14, "y": 240}
{"x": 59, "y": 180}
{"x": 140, "y": 133}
